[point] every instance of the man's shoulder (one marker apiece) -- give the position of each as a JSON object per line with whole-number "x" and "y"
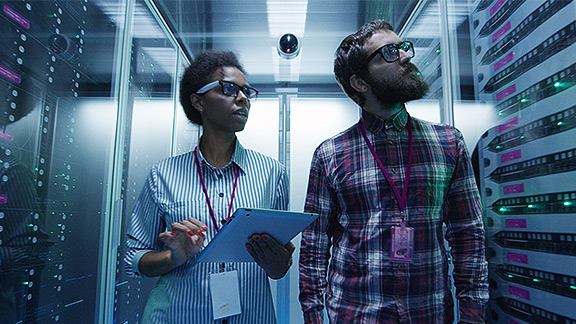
{"x": 336, "y": 141}
{"x": 436, "y": 127}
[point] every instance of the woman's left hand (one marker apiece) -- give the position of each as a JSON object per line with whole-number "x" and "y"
{"x": 270, "y": 255}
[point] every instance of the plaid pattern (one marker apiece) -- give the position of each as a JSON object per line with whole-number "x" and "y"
{"x": 345, "y": 255}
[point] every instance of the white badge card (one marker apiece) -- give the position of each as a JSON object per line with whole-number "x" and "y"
{"x": 402, "y": 244}
{"x": 225, "y": 294}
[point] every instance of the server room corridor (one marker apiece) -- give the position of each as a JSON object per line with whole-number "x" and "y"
{"x": 89, "y": 103}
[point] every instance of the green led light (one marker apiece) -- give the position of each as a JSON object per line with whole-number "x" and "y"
{"x": 500, "y": 113}
{"x": 557, "y": 84}
{"x": 567, "y": 203}
{"x": 522, "y": 137}
{"x": 510, "y": 276}
{"x": 524, "y": 100}
{"x": 438, "y": 51}
{"x": 560, "y": 123}
{"x": 427, "y": 63}
{"x": 498, "y": 147}
{"x": 503, "y": 209}
{"x": 530, "y": 206}
{"x": 536, "y": 280}
{"x": 418, "y": 74}
{"x": 572, "y": 287}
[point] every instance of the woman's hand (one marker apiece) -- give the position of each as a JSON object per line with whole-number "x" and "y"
{"x": 185, "y": 240}
{"x": 270, "y": 255}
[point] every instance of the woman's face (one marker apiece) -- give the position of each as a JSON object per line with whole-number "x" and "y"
{"x": 224, "y": 113}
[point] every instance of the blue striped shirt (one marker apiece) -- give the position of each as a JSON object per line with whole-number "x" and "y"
{"x": 173, "y": 193}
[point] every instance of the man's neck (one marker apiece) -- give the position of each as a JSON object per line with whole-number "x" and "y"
{"x": 217, "y": 150}
{"x": 384, "y": 111}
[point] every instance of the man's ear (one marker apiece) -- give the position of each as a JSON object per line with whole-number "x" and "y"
{"x": 358, "y": 84}
{"x": 197, "y": 102}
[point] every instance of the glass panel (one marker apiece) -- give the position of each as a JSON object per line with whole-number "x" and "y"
{"x": 261, "y": 131}
{"x": 424, "y": 32}
{"x": 149, "y": 130}
{"x": 58, "y": 116}
{"x": 336, "y": 114}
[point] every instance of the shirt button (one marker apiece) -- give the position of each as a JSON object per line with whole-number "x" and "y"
{"x": 219, "y": 175}
{"x": 223, "y": 222}
{"x": 221, "y": 195}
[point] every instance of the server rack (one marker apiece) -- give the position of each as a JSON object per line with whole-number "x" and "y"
{"x": 524, "y": 63}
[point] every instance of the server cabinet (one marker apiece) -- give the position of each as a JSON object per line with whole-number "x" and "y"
{"x": 524, "y": 63}
{"x": 58, "y": 118}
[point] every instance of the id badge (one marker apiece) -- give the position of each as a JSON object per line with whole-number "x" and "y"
{"x": 225, "y": 294}
{"x": 402, "y": 247}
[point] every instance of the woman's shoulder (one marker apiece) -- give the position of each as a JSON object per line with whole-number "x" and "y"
{"x": 171, "y": 163}
{"x": 261, "y": 160}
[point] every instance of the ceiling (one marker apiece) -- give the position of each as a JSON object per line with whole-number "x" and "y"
{"x": 251, "y": 28}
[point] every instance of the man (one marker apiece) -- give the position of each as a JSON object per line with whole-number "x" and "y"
{"x": 383, "y": 190}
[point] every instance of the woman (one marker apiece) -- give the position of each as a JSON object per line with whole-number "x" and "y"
{"x": 188, "y": 197}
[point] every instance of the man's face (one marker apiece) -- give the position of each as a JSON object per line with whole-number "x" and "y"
{"x": 396, "y": 82}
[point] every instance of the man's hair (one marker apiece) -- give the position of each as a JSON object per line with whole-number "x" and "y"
{"x": 198, "y": 74}
{"x": 351, "y": 54}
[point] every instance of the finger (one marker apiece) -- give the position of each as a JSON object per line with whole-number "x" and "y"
{"x": 251, "y": 251}
{"x": 198, "y": 223}
{"x": 290, "y": 247}
{"x": 256, "y": 248}
{"x": 270, "y": 245}
{"x": 193, "y": 225}
{"x": 167, "y": 237}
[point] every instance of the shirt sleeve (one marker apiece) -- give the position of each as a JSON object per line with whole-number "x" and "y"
{"x": 281, "y": 194}
{"x": 466, "y": 236}
{"x": 315, "y": 244}
{"x": 146, "y": 223}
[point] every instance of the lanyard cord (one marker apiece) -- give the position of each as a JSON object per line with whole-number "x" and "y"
{"x": 210, "y": 209}
{"x": 401, "y": 199}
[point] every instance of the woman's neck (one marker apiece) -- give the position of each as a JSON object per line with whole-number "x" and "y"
{"x": 217, "y": 150}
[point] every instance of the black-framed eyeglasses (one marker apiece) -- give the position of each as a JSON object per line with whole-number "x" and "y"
{"x": 230, "y": 89}
{"x": 391, "y": 52}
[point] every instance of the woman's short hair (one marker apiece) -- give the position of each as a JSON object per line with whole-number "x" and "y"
{"x": 199, "y": 73}
{"x": 350, "y": 56}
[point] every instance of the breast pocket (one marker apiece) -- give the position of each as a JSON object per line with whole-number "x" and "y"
{"x": 182, "y": 210}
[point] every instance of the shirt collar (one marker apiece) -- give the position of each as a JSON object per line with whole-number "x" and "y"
{"x": 238, "y": 157}
{"x": 379, "y": 125}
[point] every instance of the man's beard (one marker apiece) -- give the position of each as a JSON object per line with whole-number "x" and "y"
{"x": 407, "y": 86}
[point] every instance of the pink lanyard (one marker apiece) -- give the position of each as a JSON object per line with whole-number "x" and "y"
{"x": 210, "y": 209}
{"x": 401, "y": 199}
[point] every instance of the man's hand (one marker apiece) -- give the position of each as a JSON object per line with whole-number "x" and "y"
{"x": 270, "y": 255}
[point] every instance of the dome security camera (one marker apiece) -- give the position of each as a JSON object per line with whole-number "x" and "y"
{"x": 288, "y": 46}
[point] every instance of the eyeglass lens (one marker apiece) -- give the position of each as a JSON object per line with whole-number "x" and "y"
{"x": 391, "y": 52}
{"x": 232, "y": 89}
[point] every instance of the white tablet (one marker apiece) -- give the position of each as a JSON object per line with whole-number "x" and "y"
{"x": 229, "y": 244}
